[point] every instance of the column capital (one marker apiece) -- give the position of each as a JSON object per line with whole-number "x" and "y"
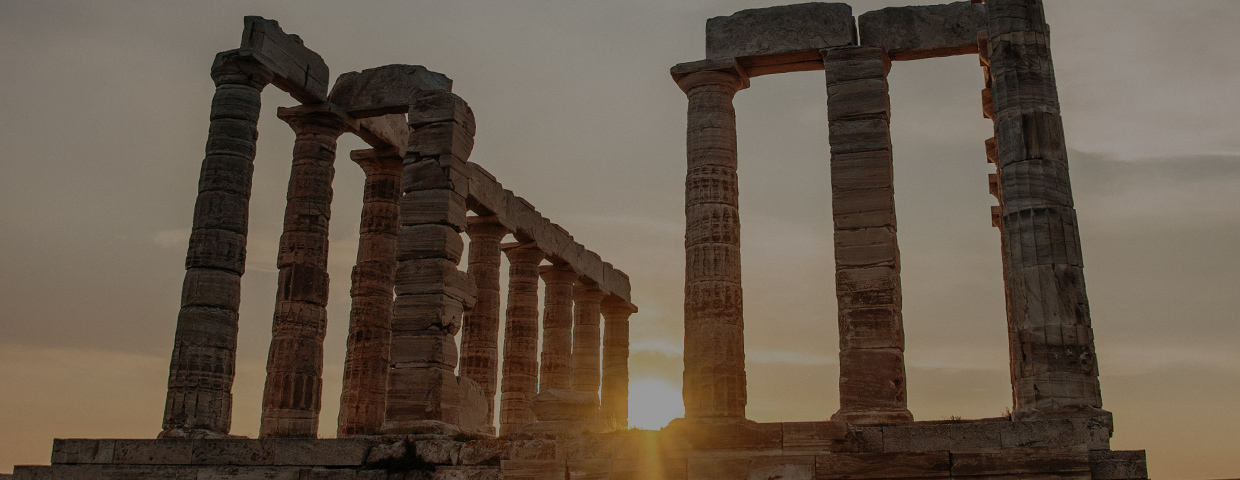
{"x": 714, "y": 71}
{"x": 322, "y": 118}
{"x": 485, "y": 226}
{"x": 613, "y": 306}
{"x": 587, "y": 291}
{"x": 237, "y": 68}
{"x": 523, "y": 252}
{"x": 558, "y": 273}
{"x": 378, "y": 161}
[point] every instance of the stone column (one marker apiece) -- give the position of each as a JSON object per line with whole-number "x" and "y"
{"x": 1054, "y": 369}
{"x": 200, "y": 375}
{"x": 557, "y": 346}
{"x": 867, "y": 257}
{"x": 520, "y": 377}
{"x": 364, "y": 392}
{"x": 432, "y": 294}
{"x": 292, "y": 395}
{"x": 480, "y": 331}
{"x": 615, "y": 389}
{"x": 714, "y": 355}
{"x": 587, "y": 337}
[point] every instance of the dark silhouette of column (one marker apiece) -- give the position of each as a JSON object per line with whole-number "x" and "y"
{"x": 292, "y": 396}
{"x": 201, "y": 372}
{"x": 364, "y": 392}
{"x": 480, "y": 330}
{"x": 615, "y": 390}
{"x": 520, "y": 380}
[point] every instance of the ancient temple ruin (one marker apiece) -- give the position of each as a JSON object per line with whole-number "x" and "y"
{"x": 413, "y": 407}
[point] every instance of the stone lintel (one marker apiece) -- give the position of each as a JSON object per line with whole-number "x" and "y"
{"x": 385, "y": 90}
{"x": 775, "y": 31}
{"x": 298, "y": 70}
{"x": 916, "y": 32}
{"x": 528, "y": 225}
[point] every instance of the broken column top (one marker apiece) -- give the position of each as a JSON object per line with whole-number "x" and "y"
{"x": 911, "y": 33}
{"x": 385, "y": 90}
{"x": 298, "y": 70}
{"x": 782, "y": 29}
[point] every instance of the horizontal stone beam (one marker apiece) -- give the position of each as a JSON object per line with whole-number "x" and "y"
{"x": 384, "y": 90}
{"x": 781, "y": 39}
{"x": 390, "y": 130}
{"x": 527, "y": 224}
{"x": 298, "y": 70}
{"x": 911, "y": 33}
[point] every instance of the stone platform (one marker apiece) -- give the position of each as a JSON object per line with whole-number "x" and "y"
{"x": 1068, "y": 448}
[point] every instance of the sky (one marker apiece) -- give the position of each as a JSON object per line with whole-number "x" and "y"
{"x": 104, "y": 111}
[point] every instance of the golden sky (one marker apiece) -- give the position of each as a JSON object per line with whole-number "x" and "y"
{"x": 104, "y": 115}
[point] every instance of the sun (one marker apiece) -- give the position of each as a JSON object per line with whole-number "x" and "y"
{"x": 653, "y": 403}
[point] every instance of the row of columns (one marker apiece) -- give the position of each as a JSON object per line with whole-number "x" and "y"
{"x": 1051, "y": 340}
{"x": 408, "y": 297}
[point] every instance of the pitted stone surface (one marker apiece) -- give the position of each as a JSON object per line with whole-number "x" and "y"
{"x": 384, "y": 90}
{"x": 914, "y": 32}
{"x": 782, "y": 29}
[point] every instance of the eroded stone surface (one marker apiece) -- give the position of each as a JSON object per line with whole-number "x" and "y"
{"x": 915, "y": 32}
{"x": 781, "y": 29}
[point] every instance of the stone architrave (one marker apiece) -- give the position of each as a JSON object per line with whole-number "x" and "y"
{"x": 364, "y": 392}
{"x": 556, "y": 368}
{"x": 519, "y": 382}
{"x": 298, "y": 70}
{"x": 714, "y": 355}
{"x": 780, "y": 39}
{"x": 385, "y": 90}
{"x": 1053, "y": 360}
{"x": 587, "y": 337}
{"x": 923, "y": 31}
{"x": 432, "y": 294}
{"x": 203, "y": 365}
{"x": 292, "y": 395}
{"x": 614, "y": 394}
{"x": 480, "y": 331}
{"x": 867, "y": 257}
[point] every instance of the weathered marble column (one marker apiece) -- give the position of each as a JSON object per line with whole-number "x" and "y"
{"x": 867, "y": 257}
{"x": 1054, "y": 369}
{"x": 480, "y": 331}
{"x": 200, "y": 376}
{"x": 293, "y": 392}
{"x": 587, "y": 337}
{"x": 364, "y": 392}
{"x": 615, "y": 389}
{"x": 432, "y": 294}
{"x": 557, "y": 346}
{"x": 714, "y": 355}
{"x": 520, "y": 380}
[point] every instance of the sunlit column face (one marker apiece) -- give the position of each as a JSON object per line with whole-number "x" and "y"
{"x": 654, "y": 403}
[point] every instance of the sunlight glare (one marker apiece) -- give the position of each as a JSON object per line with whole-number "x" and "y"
{"x": 653, "y": 403}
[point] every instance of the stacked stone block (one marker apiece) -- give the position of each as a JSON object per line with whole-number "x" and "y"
{"x": 364, "y": 392}
{"x": 714, "y": 376}
{"x": 520, "y": 375}
{"x": 480, "y": 332}
{"x": 867, "y": 257}
{"x": 204, "y": 350}
{"x": 293, "y": 392}
{"x": 1053, "y": 361}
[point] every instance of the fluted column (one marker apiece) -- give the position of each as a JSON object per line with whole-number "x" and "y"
{"x": 200, "y": 375}
{"x": 615, "y": 389}
{"x": 364, "y": 392}
{"x": 480, "y": 330}
{"x": 1054, "y": 369}
{"x": 520, "y": 377}
{"x": 557, "y": 346}
{"x": 587, "y": 337}
{"x": 867, "y": 256}
{"x": 292, "y": 395}
{"x": 714, "y": 354}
